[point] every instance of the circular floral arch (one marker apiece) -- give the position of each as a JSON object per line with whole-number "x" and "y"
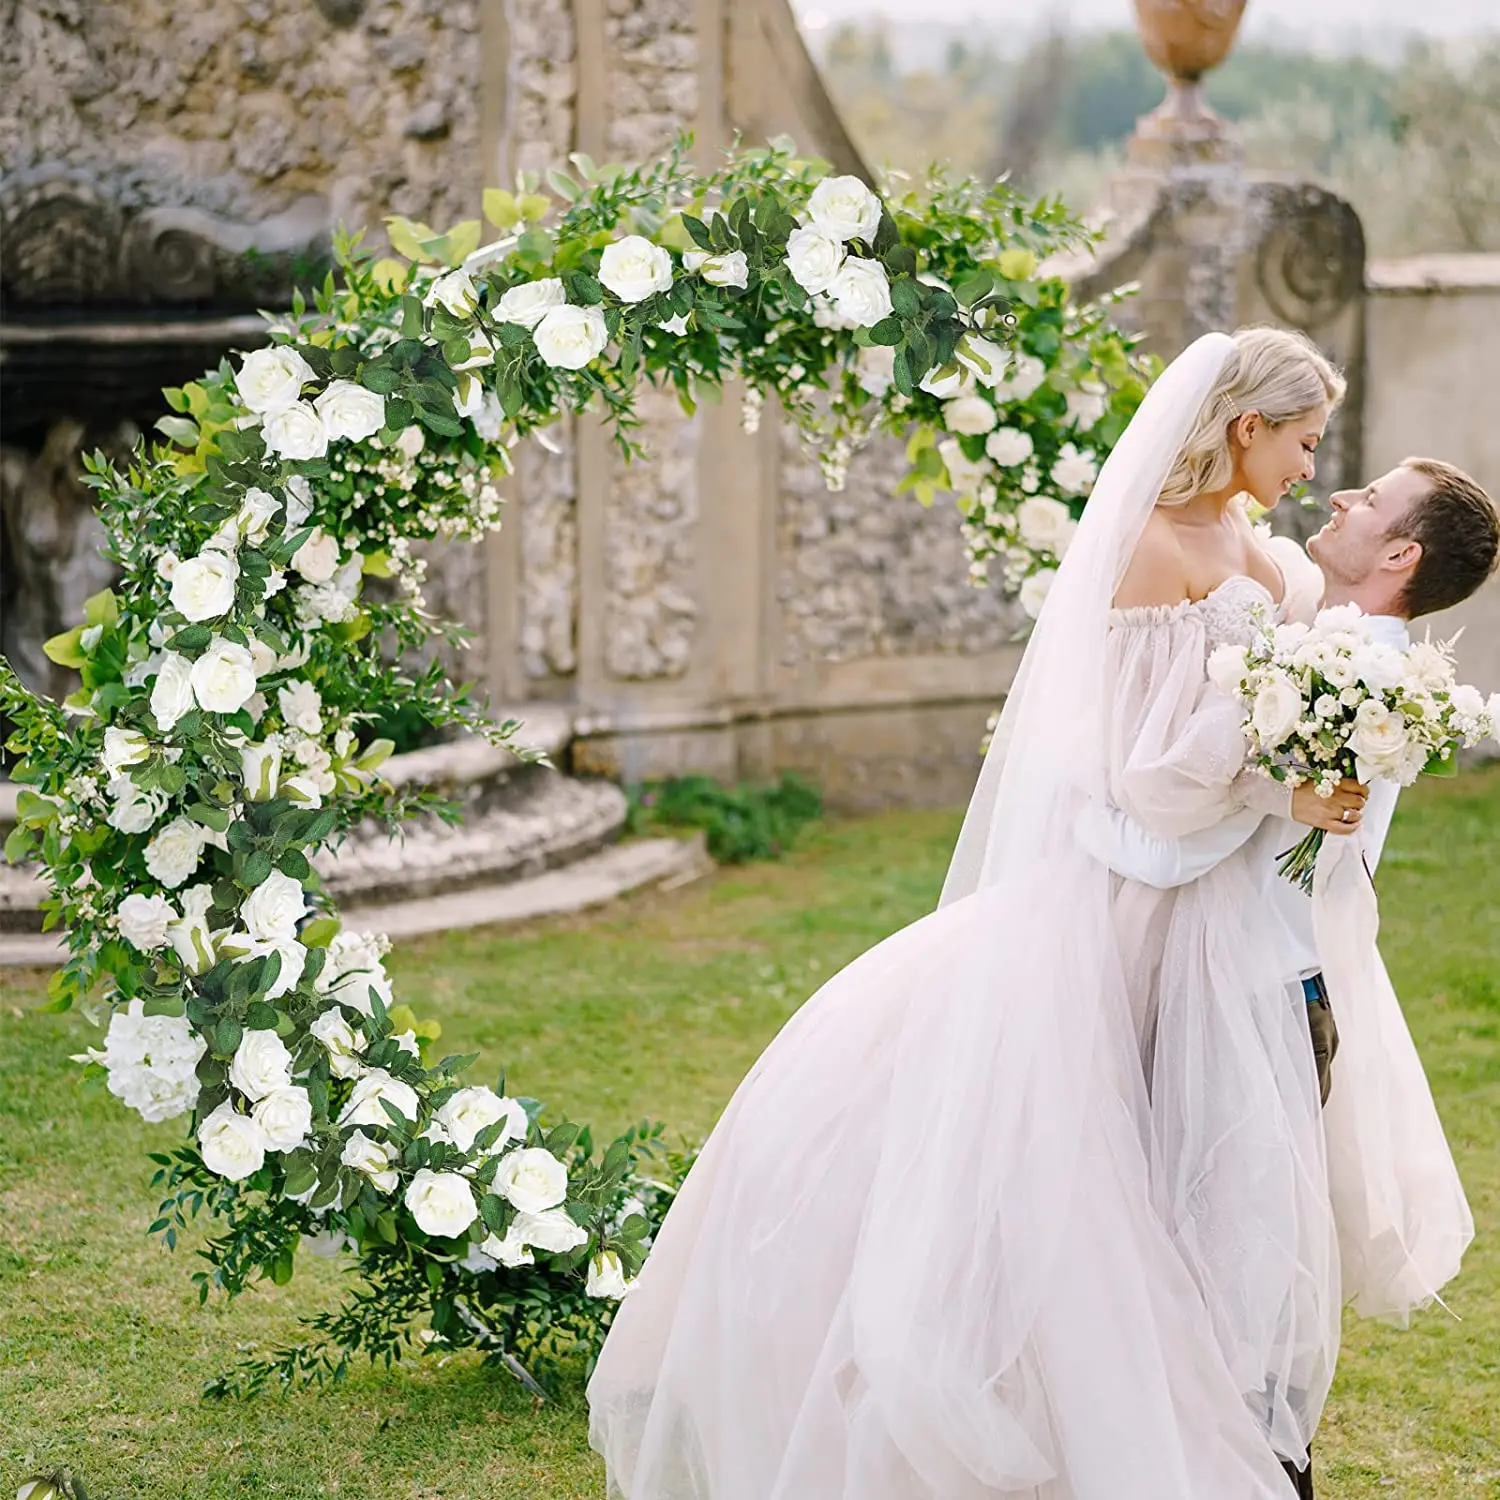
{"x": 222, "y": 737}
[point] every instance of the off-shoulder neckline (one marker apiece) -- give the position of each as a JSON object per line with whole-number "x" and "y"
{"x": 1165, "y": 614}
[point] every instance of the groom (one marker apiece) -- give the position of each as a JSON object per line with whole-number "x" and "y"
{"x": 1419, "y": 539}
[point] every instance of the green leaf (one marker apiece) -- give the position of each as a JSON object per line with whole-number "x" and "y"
{"x": 216, "y": 818}
{"x": 411, "y": 319}
{"x": 494, "y": 1211}
{"x": 101, "y": 608}
{"x": 501, "y": 208}
{"x": 906, "y": 299}
{"x": 65, "y": 650}
{"x": 227, "y": 1034}
{"x": 397, "y": 412}
{"x": 887, "y": 331}
{"x": 257, "y": 867}
{"x": 319, "y": 933}
{"x": 901, "y": 374}
{"x": 697, "y": 231}
{"x": 194, "y": 638}
{"x": 294, "y": 863}
{"x": 979, "y": 285}
{"x": 262, "y": 1017}
{"x": 585, "y": 289}
{"x": 181, "y": 430}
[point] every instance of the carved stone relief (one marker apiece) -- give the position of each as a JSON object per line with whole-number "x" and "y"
{"x": 549, "y": 554}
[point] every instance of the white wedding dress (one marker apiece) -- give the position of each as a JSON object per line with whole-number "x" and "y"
{"x": 1030, "y": 1200}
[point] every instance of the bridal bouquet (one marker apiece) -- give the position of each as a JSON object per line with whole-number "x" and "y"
{"x": 1327, "y": 701}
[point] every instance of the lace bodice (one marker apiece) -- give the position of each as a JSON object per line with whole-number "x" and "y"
{"x": 1226, "y": 614}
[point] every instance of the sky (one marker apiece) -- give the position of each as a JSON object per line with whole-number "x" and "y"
{"x": 1322, "y": 23}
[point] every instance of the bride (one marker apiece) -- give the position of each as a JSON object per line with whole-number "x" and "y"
{"x": 1032, "y": 1199}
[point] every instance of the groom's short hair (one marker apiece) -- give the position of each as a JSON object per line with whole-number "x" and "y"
{"x": 1459, "y": 530}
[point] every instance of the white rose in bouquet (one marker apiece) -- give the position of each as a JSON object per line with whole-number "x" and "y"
{"x": 606, "y": 1277}
{"x": 530, "y": 302}
{"x": 553, "y": 1231}
{"x": 730, "y": 269}
{"x": 532, "y": 1180}
{"x": 1027, "y": 372}
{"x": 270, "y": 380}
{"x": 1034, "y": 590}
{"x": 272, "y": 910}
{"x": 442, "y": 1203}
{"x": 341, "y": 1041}
{"x": 152, "y": 1062}
{"x": 986, "y": 360}
{"x": 143, "y": 921}
{"x": 827, "y": 314}
{"x": 1378, "y": 740}
{"x": 949, "y": 381}
{"x": 364, "y": 1106}
{"x": 843, "y": 208}
{"x": 471, "y": 1110}
{"x": 510, "y": 1251}
{"x": 634, "y": 269}
{"x": 203, "y": 586}
{"x": 257, "y": 511}
{"x": 172, "y": 692}
{"x": 861, "y": 291}
{"x": 299, "y": 503}
{"x": 1467, "y": 700}
{"x": 1046, "y": 525}
{"x": 261, "y": 1064}
{"x": 1009, "y": 446}
{"x": 231, "y": 1144}
{"x": 875, "y": 368}
{"x": 317, "y": 559}
{"x": 190, "y": 936}
{"x": 296, "y": 432}
{"x": 289, "y": 972}
{"x": 1428, "y": 667}
{"x": 260, "y": 768}
{"x": 133, "y": 810}
{"x": 371, "y": 1158}
{"x": 301, "y": 706}
{"x": 568, "y": 338}
{"x": 173, "y": 854}
{"x": 814, "y": 258}
{"x": 677, "y": 325}
{"x": 1074, "y": 473}
{"x": 350, "y": 411}
{"x": 968, "y": 415}
{"x": 1276, "y": 710}
{"x": 965, "y": 475}
{"x": 1379, "y": 667}
{"x": 285, "y": 1118}
{"x": 454, "y": 291}
{"x": 1227, "y": 669}
{"x": 1086, "y": 406}
{"x": 223, "y": 677}
{"x": 123, "y": 747}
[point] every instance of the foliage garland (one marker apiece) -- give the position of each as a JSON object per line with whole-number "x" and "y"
{"x": 270, "y": 602}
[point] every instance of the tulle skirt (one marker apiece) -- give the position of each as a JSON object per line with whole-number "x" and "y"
{"x": 1006, "y": 1209}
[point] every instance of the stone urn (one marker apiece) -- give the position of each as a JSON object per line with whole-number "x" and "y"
{"x": 1185, "y": 39}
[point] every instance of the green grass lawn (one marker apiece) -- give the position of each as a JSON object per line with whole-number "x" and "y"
{"x": 655, "y": 1008}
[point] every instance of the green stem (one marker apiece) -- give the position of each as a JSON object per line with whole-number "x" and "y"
{"x": 1299, "y": 863}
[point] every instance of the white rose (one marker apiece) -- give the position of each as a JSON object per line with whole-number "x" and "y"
{"x": 634, "y": 269}
{"x": 511, "y": 1251}
{"x": 269, "y": 380}
{"x": 166, "y": 566}
{"x": 1276, "y": 710}
{"x": 553, "y": 1231}
{"x": 327, "y": 1244}
{"x": 143, "y": 920}
{"x": 1074, "y": 472}
{"x": 134, "y": 810}
{"x": 190, "y": 936}
{"x": 1086, "y": 407}
{"x": 969, "y": 415}
{"x": 827, "y": 315}
{"x": 350, "y": 411}
{"x": 442, "y": 1203}
{"x": 341, "y": 1041}
{"x": 372, "y": 1158}
{"x": 317, "y": 559}
{"x": 844, "y": 209}
{"x": 1045, "y": 525}
{"x": 1034, "y": 591}
{"x": 569, "y": 338}
{"x": 1428, "y": 667}
{"x": 272, "y": 910}
{"x": 123, "y": 747}
{"x": 677, "y": 326}
{"x": 411, "y": 441}
{"x": 297, "y": 432}
{"x": 472, "y": 1110}
{"x": 285, "y": 1118}
{"x": 731, "y": 269}
{"x": 1226, "y": 669}
{"x": 364, "y": 1106}
{"x": 174, "y": 853}
{"x": 455, "y": 292}
{"x": 814, "y": 258}
{"x": 1027, "y": 372}
{"x": 152, "y": 1062}
{"x": 861, "y": 291}
{"x": 172, "y": 692}
{"x": 1009, "y": 446}
{"x": 1380, "y": 667}
{"x": 1378, "y": 738}
{"x": 965, "y": 476}
{"x": 231, "y": 1143}
{"x": 874, "y": 368}
{"x": 203, "y": 586}
{"x": 986, "y": 360}
{"x": 532, "y": 1180}
{"x": 261, "y": 1063}
{"x": 223, "y": 677}
{"x": 489, "y": 420}
{"x": 256, "y": 512}
{"x": 301, "y": 706}
{"x": 606, "y": 1277}
{"x": 293, "y": 960}
{"x": 530, "y": 302}
{"x": 949, "y": 381}
{"x": 260, "y": 769}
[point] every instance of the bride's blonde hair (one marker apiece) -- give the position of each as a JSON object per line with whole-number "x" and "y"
{"x": 1273, "y": 371}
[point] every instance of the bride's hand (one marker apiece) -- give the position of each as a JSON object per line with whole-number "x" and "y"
{"x": 1339, "y": 813}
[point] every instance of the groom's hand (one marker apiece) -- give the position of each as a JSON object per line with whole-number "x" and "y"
{"x": 1339, "y": 813}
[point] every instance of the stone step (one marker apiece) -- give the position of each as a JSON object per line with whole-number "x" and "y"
{"x": 592, "y": 881}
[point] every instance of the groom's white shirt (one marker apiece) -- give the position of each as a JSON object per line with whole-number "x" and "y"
{"x": 1129, "y": 850}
